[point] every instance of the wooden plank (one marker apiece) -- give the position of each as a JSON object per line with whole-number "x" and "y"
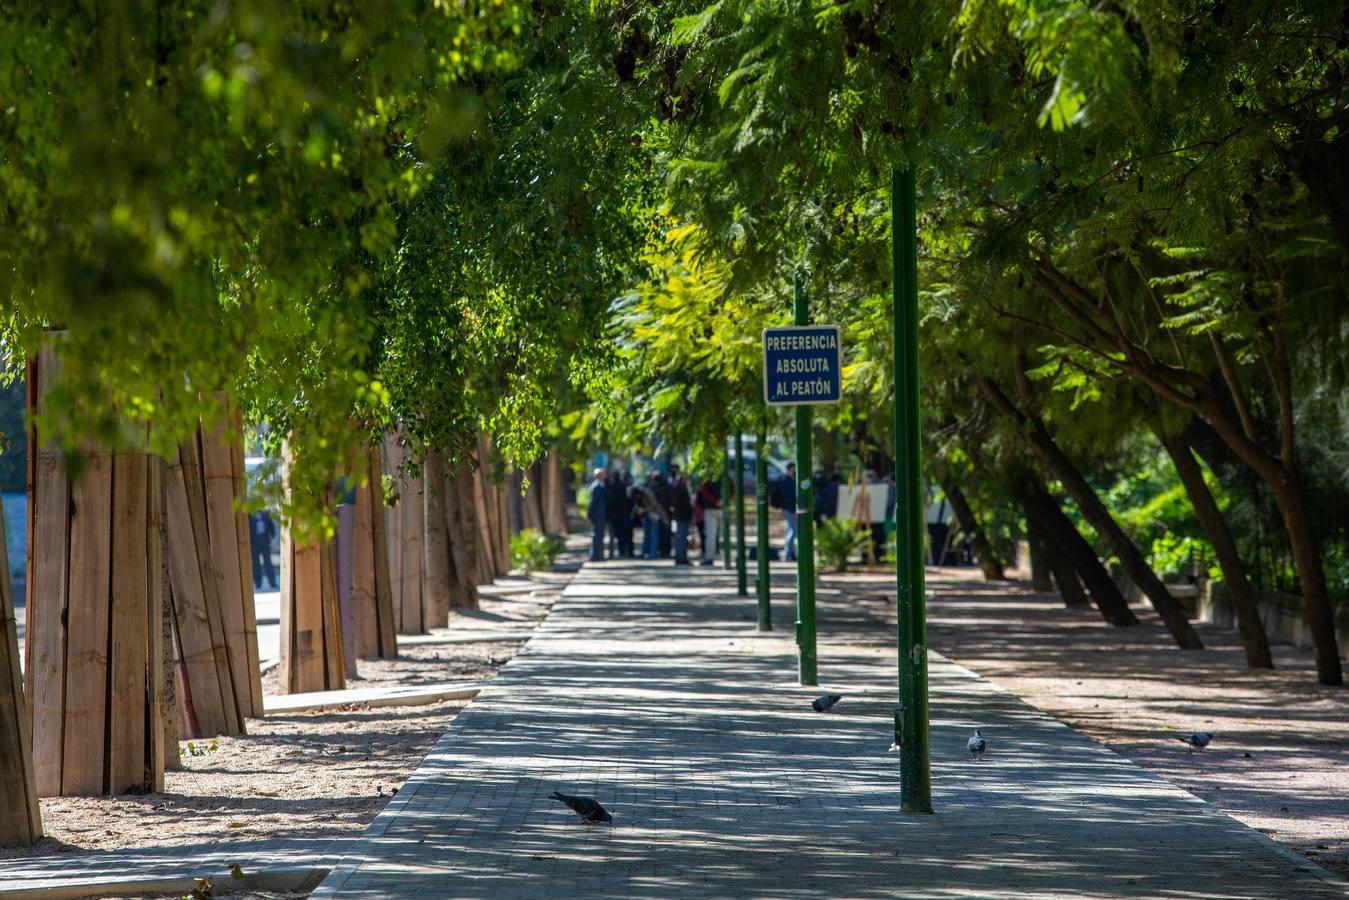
{"x": 363, "y": 591}
{"x": 128, "y": 623}
{"x": 334, "y": 657}
{"x": 158, "y": 721}
{"x": 200, "y": 646}
{"x": 386, "y": 626}
{"x": 20, "y": 818}
{"x": 463, "y": 536}
{"x": 486, "y": 564}
{"x": 47, "y": 598}
{"x": 196, "y": 496}
{"x": 306, "y": 607}
{"x": 413, "y": 534}
{"x": 217, "y": 475}
{"x": 244, "y": 556}
{"x": 286, "y": 650}
{"x": 84, "y": 750}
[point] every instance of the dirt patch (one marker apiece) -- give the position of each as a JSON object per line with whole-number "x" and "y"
{"x": 313, "y": 775}
{"x": 1279, "y": 760}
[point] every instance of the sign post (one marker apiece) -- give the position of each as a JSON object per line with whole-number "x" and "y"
{"x": 911, "y": 717}
{"x": 802, "y": 367}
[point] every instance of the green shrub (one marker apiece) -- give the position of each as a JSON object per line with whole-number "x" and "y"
{"x": 838, "y": 539}
{"x": 534, "y": 551}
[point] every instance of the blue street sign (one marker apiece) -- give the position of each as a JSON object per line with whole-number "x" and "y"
{"x": 802, "y": 365}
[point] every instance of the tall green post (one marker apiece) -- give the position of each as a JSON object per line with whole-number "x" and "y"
{"x": 911, "y": 718}
{"x": 762, "y": 585}
{"x": 805, "y": 521}
{"x": 725, "y": 524}
{"x": 741, "y": 576}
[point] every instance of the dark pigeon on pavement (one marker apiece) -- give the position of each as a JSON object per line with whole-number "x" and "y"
{"x": 976, "y": 745}
{"x": 1197, "y": 740}
{"x": 586, "y": 808}
{"x": 825, "y": 703}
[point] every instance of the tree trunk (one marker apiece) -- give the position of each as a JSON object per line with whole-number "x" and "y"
{"x": 168, "y": 702}
{"x": 1253, "y": 638}
{"x": 1067, "y": 541}
{"x": 1040, "y": 581}
{"x": 439, "y": 590}
{"x": 1068, "y": 584}
{"x": 988, "y": 562}
{"x": 1095, "y": 512}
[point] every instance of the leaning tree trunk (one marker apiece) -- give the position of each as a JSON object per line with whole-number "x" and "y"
{"x": 436, "y": 561}
{"x": 1066, "y": 581}
{"x": 94, "y": 672}
{"x": 1066, "y": 541}
{"x": 1033, "y": 432}
{"x": 1040, "y": 580}
{"x": 1253, "y": 638}
{"x": 20, "y": 817}
{"x": 988, "y": 561}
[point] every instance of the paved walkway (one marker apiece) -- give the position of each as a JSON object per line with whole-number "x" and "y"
{"x": 648, "y": 689}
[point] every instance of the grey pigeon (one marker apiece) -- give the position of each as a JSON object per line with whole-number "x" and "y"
{"x": 976, "y": 745}
{"x": 825, "y": 702}
{"x": 586, "y": 808}
{"x": 1197, "y": 740}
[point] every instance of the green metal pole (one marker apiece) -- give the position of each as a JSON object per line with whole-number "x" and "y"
{"x": 805, "y": 523}
{"x": 725, "y": 524}
{"x": 741, "y": 576}
{"x": 911, "y": 718}
{"x": 762, "y": 586}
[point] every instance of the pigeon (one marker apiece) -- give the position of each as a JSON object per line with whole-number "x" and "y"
{"x": 1197, "y": 740}
{"x": 976, "y": 745}
{"x": 586, "y": 808}
{"x": 825, "y": 703}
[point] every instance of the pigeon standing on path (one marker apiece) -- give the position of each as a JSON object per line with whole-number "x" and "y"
{"x": 585, "y": 807}
{"x": 1197, "y": 740}
{"x": 976, "y": 745}
{"x": 825, "y": 702}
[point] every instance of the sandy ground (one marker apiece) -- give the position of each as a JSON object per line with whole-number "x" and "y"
{"x": 1279, "y": 760}
{"x": 321, "y": 774}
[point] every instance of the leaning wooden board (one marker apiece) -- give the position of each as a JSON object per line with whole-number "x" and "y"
{"x": 20, "y": 818}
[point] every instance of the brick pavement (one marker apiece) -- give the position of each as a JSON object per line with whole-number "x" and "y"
{"x": 648, "y": 688}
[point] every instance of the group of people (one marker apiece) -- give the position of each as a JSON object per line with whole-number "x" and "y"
{"x": 669, "y": 511}
{"x": 671, "y": 514}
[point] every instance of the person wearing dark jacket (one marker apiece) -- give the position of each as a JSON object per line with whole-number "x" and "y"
{"x": 598, "y": 514}
{"x": 620, "y": 512}
{"x": 261, "y": 532}
{"x": 664, "y": 497}
{"x": 681, "y": 510}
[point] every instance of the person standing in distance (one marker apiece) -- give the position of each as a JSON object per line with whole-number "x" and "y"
{"x": 261, "y": 531}
{"x": 598, "y": 514}
{"x": 681, "y": 508}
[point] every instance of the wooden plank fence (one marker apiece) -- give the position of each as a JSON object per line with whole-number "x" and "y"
{"x": 94, "y": 678}
{"x": 20, "y": 817}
